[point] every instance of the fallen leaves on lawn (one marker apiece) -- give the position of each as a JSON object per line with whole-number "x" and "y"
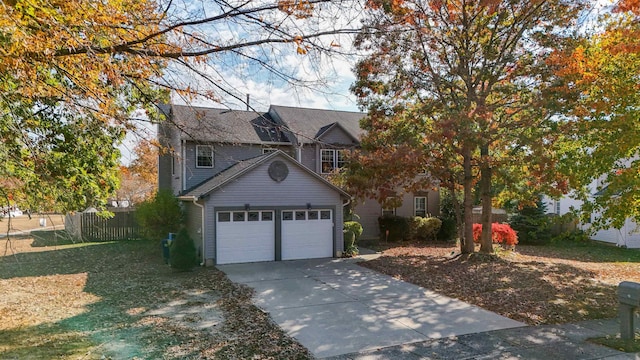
{"x": 118, "y": 300}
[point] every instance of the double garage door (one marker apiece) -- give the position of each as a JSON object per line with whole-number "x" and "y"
{"x": 250, "y": 236}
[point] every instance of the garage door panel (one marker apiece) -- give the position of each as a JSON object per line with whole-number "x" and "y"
{"x": 245, "y": 236}
{"x": 307, "y": 234}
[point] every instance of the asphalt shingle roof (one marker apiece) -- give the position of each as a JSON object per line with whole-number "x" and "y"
{"x": 308, "y": 124}
{"x": 226, "y": 126}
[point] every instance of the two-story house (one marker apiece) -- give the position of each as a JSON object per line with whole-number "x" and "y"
{"x": 254, "y": 184}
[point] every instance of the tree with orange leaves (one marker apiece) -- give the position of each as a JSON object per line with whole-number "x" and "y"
{"x": 139, "y": 180}
{"x": 73, "y": 73}
{"x": 459, "y": 88}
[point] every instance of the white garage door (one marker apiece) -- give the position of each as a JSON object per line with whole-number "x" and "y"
{"x": 307, "y": 234}
{"x": 245, "y": 236}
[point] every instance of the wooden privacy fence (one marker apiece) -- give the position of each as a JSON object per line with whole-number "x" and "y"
{"x": 495, "y": 218}
{"x": 122, "y": 226}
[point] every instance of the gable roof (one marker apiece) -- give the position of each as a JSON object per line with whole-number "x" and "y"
{"x": 336, "y": 125}
{"x": 223, "y": 125}
{"x": 308, "y": 125}
{"x": 242, "y": 167}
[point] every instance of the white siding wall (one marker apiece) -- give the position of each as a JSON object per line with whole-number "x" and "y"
{"x": 628, "y": 235}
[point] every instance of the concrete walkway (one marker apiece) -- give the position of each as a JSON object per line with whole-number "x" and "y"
{"x": 547, "y": 342}
{"x": 335, "y": 307}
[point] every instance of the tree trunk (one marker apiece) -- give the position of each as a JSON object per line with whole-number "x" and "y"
{"x": 466, "y": 244}
{"x": 486, "y": 241}
{"x": 458, "y": 212}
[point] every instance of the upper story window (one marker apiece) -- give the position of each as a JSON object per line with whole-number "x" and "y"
{"x": 204, "y": 156}
{"x": 420, "y": 206}
{"x": 331, "y": 159}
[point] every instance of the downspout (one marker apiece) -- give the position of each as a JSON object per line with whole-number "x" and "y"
{"x": 202, "y": 232}
{"x": 344, "y": 204}
{"x": 183, "y": 166}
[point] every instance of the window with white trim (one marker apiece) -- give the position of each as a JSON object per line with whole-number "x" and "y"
{"x": 388, "y": 212}
{"x": 420, "y": 206}
{"x": 204, "y": 156}
{"x": 331, "y": 159}
{"x": 557, "y": 207}
{"x": 268, "y": 150}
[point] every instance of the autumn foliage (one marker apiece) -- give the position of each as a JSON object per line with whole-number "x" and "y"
{"x": 500, "y": 233}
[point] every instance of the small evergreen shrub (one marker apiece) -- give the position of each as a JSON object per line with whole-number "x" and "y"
{"x": 500, "y": 233}
{"x": 532, "y": 224}
{"x": 159, "y": 216}
{"x": 424, "y": 228}
{"x": 352, "y": 231}
{"x": 448, "y": 230}
{"x": 394, "y": 228}
{"x": 182, "y": 252}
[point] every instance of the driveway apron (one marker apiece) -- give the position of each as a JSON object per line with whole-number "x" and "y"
{"x": 335, "y": 307}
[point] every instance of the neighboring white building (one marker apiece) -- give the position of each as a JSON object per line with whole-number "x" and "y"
{"x": 627, "y": 236}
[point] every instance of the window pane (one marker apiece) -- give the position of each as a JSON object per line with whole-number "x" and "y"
{"x": 238, "y": 216}
{"x": 253, "y": 216}
{"x": 268, "y": 150}
{"x": 313, "y": 215}
{"x": 325, "y": 215}
{"x": 301, "y": 215}
{"x": 388, "y": 212}
{"x": 224, "y": 217}
{"x": 341, "y": 159}
{"x": 287, "y": 215}
{"x": 420, "y": 207}
{"x": 204, "y": 156}
{"x": 267, "y": 216}
{"x": 327, "y": 164}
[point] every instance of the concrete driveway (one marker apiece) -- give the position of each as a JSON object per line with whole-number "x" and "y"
{"x": 335, "y": 307}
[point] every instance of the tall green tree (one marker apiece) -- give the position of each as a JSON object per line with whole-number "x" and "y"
{"x": 462, "y": 87}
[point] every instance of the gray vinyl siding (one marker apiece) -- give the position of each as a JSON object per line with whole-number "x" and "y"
{"x": 258, "y": 190}
{"x": 169, "y": 138}
{"x": 193, "y": 222}
{"x": 369, "y": 210}
{"x": 407, "y": 208}
{"x": 164, "y": 173}
{"x": 308, "y": 158}
{"x": 210, "y": 229}
{"x": 224, "y": 156}
{"x": 336, "y": 136}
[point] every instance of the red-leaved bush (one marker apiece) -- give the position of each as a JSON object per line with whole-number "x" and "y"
{"x": 501, "y": 234}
